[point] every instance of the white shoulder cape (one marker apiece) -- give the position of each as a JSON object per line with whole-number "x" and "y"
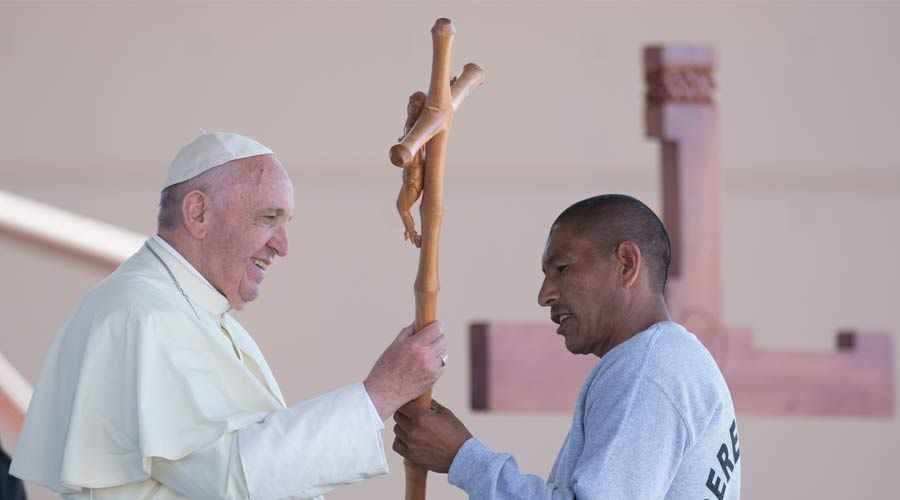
{"x": 135, "y": 374}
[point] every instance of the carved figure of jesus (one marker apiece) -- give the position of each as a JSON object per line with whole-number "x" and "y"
{"x": 413, "y": 175}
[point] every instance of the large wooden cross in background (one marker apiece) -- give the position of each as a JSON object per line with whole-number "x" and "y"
{"x": 518, "y": 366}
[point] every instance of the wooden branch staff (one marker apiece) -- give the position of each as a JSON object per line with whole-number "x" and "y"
{"x": 427, "y": 125}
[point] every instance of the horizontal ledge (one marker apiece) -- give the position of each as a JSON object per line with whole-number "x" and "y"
{"x": 858, "y": 380}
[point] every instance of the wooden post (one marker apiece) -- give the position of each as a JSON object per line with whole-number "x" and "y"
{"x": 431, "y": 130}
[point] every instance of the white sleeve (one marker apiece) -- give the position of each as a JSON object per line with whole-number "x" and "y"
{"x": 210, "y": 473}
{"x": 376, "y": 418}
{"x": 314, "y": 446}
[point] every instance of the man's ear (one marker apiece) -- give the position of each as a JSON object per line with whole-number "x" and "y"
{"x": 195, "y": 213}
{"x": 628, "y": 256}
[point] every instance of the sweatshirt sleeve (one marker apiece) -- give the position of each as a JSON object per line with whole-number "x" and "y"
{"x": 633, "y": 444}
{"x": 488, "y": 475}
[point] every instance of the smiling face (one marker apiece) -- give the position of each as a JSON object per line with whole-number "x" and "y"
{"x": 247, "y": 227}
{"x": 581, "y": 289}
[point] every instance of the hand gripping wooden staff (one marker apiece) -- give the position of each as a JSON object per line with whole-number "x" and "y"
{"x": 430, "y": 130}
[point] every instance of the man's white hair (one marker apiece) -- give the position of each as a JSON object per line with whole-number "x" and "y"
{"x": 210, "y": 182}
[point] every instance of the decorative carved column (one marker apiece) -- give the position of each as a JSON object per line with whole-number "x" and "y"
{"x": 680, "y": 112}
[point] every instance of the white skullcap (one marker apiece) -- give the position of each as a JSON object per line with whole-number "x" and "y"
{"x": 211, "y": 150}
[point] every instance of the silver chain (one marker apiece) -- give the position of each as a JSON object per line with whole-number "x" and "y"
{"x": 177, "y": 285}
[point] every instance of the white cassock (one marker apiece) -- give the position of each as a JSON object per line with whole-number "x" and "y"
{"x": 146, "y": 394}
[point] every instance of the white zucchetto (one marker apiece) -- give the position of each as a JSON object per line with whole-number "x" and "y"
{"x": 210, "y": 150}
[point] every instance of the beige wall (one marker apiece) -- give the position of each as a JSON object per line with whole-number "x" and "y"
{"x": 96, "y": 99}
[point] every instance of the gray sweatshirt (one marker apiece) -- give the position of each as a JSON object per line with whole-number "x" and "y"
{"x": 653, "y": 420}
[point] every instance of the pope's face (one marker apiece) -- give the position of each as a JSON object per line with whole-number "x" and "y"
{"x": 580, "y": 289}
{"x": 248, "y": 229}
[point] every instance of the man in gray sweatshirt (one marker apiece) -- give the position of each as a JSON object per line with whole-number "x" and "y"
{"x": 654, "y": 419}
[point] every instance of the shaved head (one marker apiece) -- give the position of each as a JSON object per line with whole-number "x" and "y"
{"x": 610, "y": 219}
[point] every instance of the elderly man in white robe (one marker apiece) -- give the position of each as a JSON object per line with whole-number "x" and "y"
{"x": 152, "y": 390}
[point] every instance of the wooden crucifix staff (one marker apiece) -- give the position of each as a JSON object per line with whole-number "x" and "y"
{"x": 428, "y": 125}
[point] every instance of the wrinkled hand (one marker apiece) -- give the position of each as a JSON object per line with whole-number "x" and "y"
{"x": 407, "y": 368}
{"x": 430, "y": 438}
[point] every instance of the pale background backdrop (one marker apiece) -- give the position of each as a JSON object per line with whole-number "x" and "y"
{"x": 95, "y": 100}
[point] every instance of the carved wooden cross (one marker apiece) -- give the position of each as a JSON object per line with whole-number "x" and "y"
{"x": 680, "y": 112}
{"x": 428, "y": 126}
